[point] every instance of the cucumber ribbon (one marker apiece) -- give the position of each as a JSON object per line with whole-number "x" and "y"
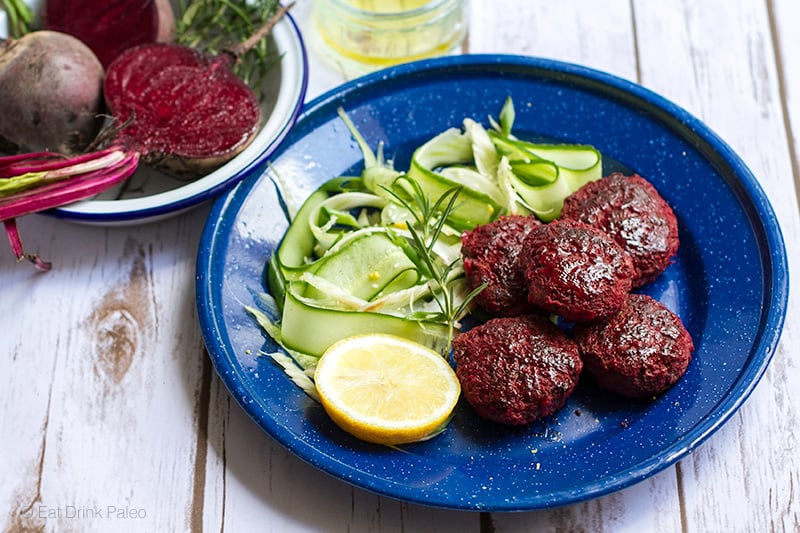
{"x": 355, "y": 258}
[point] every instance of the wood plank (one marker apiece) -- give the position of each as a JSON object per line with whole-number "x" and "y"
{"x": 28, "y": 360}
{"x": 267, "y": 485}
{"x": 742, "y": 479}
{"x": 118, "y": 442}
{"x": 597, "y": 35}
{"x": 783, "y": 15}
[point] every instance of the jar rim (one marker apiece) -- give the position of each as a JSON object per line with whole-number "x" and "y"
{"x": 354, "y": 11}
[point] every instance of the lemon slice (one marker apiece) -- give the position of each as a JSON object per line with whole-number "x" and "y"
{"x": 386, "y": 389}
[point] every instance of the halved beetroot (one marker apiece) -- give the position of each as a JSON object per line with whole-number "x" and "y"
{"x": 187, "y": 111}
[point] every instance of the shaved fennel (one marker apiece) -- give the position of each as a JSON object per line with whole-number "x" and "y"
{"x": 381, "y": 252}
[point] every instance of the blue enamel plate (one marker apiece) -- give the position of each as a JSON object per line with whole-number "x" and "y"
{"x": 728, "y": 283}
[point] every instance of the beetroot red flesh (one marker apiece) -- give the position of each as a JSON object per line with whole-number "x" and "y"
{"x": 181, "y": 103}
{"x": 112, "y": 26}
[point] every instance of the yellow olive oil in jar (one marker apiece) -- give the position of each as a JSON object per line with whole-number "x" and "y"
{"x": 379, "y": 33}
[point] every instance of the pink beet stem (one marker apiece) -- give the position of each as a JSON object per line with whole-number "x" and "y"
{"x": 105, "y": 159}
{"x": 9, "y": 159}
{"x": 16, "y": 245}
{"x": 23, "y": 163}
{"x": 67, "y": 191}
{"x": 43, "y": 161}
{"x": 86, "y": 165}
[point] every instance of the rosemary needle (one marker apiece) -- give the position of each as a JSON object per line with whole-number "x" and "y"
{"x": 215, "y": 26}
{"x": 425, "y": 230}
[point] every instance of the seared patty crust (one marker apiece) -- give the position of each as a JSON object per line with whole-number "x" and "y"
{"x": 576, "y": 271}
{"x": 492, "y": 254}
{"x": 514, "y": 370}
{"x": 630, "y": 209}
{"x": 639, "y": 352}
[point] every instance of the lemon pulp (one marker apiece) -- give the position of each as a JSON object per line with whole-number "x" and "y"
{"x": 386, "y": 389}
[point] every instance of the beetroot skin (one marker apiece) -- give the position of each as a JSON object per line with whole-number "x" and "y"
{"x": 188, "y": 112}
{"x": 112, "y": 26}
{"x": 51, "y": 87}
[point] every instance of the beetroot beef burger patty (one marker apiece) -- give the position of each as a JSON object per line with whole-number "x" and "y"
{"x": 514, "y": 370}
{"x": 576, "y": 271}
{"x": 492, "y": 254}
{"x": 639, "y": 352}
{"x": 632, "y": 211}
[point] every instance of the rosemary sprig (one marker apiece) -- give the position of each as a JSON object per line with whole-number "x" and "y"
{"x": 429, "y": 219}
{"x": 215, "y": 26}
{"x": 20, "y": 17}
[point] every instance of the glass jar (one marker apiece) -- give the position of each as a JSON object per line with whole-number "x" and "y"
{"x": 380, "y": 33}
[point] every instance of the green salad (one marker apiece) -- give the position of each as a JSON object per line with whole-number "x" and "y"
{"x": 380, "y": 252}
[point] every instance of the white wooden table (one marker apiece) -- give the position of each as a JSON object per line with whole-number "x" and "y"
{"x": 111, "y": 416}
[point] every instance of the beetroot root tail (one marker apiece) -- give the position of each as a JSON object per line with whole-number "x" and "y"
{"x": 16, "y": 245}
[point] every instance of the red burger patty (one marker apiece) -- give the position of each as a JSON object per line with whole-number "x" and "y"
{"x": 632, "y": 211}
{"x": 514, "y": 370}
{"x": 492, "y": 254}
{"x": 576, "y": 271}
{"x": 639, "y": 352}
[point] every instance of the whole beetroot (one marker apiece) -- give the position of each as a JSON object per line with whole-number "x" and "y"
{"x": 51, "y": 86}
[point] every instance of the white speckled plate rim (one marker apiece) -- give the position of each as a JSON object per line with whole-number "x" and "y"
{"x": 294, "y": 79}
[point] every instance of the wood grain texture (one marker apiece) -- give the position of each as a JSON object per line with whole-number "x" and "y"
{"x": 113, "y": 338}
{"x": 576, "y": 31}
{"x": 784, "y": 40}
{"x": 734, "y": 85}
{"x": 110, "y": 404}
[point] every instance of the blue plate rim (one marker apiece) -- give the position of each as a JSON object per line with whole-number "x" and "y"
{"x": 774, "y": 264}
